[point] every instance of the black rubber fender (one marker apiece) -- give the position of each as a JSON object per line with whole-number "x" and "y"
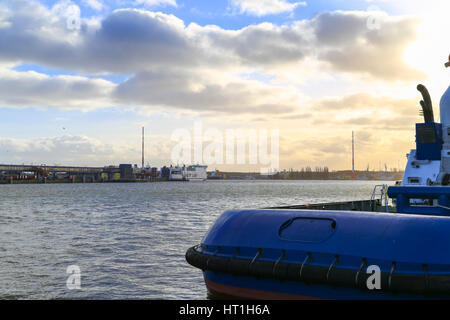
{"x": 313, "y": 274}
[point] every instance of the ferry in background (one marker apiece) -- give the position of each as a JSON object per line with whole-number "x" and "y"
{"x": 177, "y": 174}
{"x": 190, "y": 173}
{"x": 196, "y": 173}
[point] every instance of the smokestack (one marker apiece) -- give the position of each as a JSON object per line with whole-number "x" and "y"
{"x": 353, "y": 155}
{"x": 142, "y": 147}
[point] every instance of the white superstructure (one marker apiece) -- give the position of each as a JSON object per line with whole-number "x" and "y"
{"x": 196, "y": 173}
{"x": 189, "y": 173}
{"x": 445, "y": 120}
{"x": 420, "y": 172}
{"x": 177, "y": 173}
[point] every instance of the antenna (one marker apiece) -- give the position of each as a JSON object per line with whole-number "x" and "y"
{"x": 142, "y": 147}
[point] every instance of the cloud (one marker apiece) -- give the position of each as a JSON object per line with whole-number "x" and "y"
{"x": 368, "y": 111}
{"x": 4, "y": 17}
{"x": 259, "y": 45}
{"x": 367, "y": 101}
{"x": 68, "y": 150}
{"x": 63, "y": 92}
{"x": 94, "y": 4}
{"x": 347, "y": 44}
{"x": 157, "y": 2}
{"x": 174, "y": 88}
{"x": 364, "y": 112}
{"x": 82, "y": 150}
{"x": 192, "y": 67}
{"x": 132, "y": 40}
{"x": 261, "y": 8}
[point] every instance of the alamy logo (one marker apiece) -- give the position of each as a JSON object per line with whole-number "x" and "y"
{"x": 374, "y": 280}
{"x": 70, "y": 12}
{"x": 74, "y": 280}
{"x": 374, "y": 19}
{"x": 231, "y": 147}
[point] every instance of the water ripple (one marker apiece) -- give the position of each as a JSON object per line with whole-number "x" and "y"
{"x": 129, "y": 240}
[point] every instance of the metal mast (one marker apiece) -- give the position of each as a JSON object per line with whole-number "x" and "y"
{"x": 142, "y": 147}
{"x": 353, "y": 155}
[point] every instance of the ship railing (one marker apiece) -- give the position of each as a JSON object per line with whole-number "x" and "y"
{"x": 380, "y": 193}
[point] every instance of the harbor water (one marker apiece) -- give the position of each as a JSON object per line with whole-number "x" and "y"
{"x": 129, "y": 240}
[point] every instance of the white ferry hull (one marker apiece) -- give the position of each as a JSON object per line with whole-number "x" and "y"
{"x": 196, "y": 179}
{"x": 190, "y": 173}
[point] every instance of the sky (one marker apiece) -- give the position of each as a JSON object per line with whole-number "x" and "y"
{"x": 78, "y": 79}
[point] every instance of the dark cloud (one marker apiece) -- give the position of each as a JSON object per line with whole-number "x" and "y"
{"x": 264, "y": 44}
{"x": 133, "y": 40}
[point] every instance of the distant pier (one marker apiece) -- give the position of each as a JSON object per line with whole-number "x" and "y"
{"x": 68, "y": 174}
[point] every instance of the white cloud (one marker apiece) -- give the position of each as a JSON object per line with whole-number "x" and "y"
{"x": 94, "y": 4}
{"x": 202, "y": 92}
{"x": 157, "y": 2}
{"x": 265, "y": 7}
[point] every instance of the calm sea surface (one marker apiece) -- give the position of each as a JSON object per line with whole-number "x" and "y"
{"x": 129, "y": 240}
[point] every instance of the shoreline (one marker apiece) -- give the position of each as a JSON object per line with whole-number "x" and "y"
{"x": 8, "y": 182}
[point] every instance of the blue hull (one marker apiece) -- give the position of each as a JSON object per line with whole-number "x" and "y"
{"x": 301, "y": 254}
